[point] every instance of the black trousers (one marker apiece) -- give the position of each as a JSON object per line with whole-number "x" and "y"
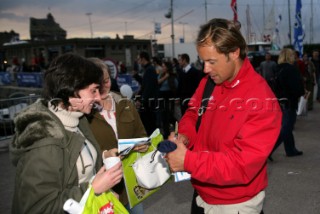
{"x": 148, "y": 118}
{"x": 195, "y": 209}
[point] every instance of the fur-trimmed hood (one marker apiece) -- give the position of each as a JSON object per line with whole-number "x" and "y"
{"x": 33, "y": 124}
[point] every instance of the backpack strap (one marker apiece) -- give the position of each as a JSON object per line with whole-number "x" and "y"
{"x": 208, "y": 89}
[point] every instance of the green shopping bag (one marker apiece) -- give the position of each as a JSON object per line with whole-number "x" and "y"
{"x": 136, "y": 193}
{"x": 105, "y": 203}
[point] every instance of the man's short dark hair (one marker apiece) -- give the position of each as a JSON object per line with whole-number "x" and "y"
{"x": 186, "y": 57}
{"x": 144, "y": 55}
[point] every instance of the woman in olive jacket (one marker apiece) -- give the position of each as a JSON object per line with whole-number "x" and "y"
{"x": 54, "y": 150}
{"x": 118, "y": 119}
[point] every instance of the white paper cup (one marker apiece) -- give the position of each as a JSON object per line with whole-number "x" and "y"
{"x": 73, "y": 207}
{"x": 110, "y": 162}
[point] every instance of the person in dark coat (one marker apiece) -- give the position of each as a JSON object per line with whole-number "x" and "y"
{"x": 148, "y": 93}
{"x": 189, "y": 79}
{"x": 291, "y": 90}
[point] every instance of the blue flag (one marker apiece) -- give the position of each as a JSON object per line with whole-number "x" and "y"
{"x": 298, "y": 30}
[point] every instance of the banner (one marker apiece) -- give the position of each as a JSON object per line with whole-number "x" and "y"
{"x": 298, "y": 30}
{"x": 5, "y": 78}
{"x": 129, "y": 80}
{"x": 157, "y": 28}
{"x": 234, "y": 9}
{"x": 25, "y": 79}
{"x": 112, "y": 67}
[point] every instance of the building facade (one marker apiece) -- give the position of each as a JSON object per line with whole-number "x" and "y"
{"x": 46, "y": 29}
{"x": 48, "y": 40}
{"x": 119, "y": 50}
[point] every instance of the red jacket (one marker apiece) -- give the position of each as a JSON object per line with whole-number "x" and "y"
{"x": 227, "y": 157}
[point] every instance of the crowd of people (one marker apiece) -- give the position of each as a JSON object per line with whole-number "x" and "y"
{"x": 224, "y": 142}
{"x": 166, "y": 88}
{"x": 308, "y": 66}
{"x": 295, "y": 80}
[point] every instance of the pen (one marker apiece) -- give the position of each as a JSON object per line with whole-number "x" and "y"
{"x": 176, "y": 130}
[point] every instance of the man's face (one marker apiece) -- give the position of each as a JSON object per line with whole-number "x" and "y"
{"x": 315, "y": 54}
{"x": 218, "y": 66}
{"x": 268, "y": 56}
{"x": 305, "y": 57}
{"x": 140, "y": 60}
{"x": 181, "y": 62}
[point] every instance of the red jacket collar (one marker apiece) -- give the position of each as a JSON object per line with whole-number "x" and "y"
{"x": 246, "y": 66}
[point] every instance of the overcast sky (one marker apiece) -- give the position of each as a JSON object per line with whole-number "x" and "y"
{"x": 137, "y": 17}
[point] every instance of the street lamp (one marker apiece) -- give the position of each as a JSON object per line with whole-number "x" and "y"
{"x": 168, "y": 16}
{"x": 89, "y": 14}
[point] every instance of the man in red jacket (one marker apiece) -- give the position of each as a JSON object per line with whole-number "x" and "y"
{"x": 227, "y": 154}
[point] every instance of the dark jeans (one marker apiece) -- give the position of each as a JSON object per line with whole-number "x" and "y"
{"x": 318, "y": 93}
{"x": 166, "y": 111}
{"x": 148, "y": 118}
{"x": 286, "y": 136}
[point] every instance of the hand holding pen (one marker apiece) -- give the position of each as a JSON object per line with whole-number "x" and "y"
{"x": 176, "y": 130}
{"x": 176, "y": 144}
{"x": 176, "y": 137}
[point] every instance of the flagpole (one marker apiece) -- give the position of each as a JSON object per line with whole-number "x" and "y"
{"x": 154, "y": 38}
{"x": 263, "y": 13}
{"x": 169, "y": 15}
{"x": 311, "y": 23}
{"x": 205, "y": 7}
{"x": 248, "y": 24}
{"x": 290, "y": 43}
{"x": 151, "y": 43}
{"x": 125, "y": 28}
{"x": 172, "y": 28}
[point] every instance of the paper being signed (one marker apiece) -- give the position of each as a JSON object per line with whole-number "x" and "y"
{"x": 126, "y": 145}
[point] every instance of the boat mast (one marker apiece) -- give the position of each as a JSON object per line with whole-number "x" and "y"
{"x": 263, "y": 13}
{"x": 205, "y": 8}
{"x": 289, "y": 22}
{"x": 248, "y": 24}
{"x": 311, "y": 23}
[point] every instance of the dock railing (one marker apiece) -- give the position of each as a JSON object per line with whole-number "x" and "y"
{"x": 8, "y": 109}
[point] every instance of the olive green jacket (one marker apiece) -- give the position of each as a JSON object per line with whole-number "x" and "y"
{"x": 45, "y": 156}
{"x": 129, "y": 125}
